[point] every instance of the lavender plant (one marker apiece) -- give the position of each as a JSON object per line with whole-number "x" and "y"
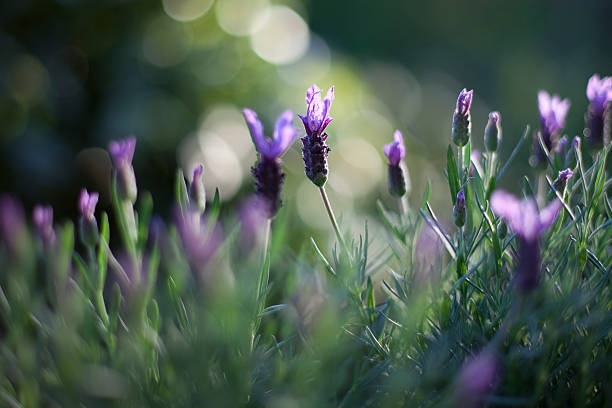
{"x": 493, "y": 300}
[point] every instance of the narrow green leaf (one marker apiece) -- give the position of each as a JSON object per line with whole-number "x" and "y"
{"x": 453, "y": 177}
{"x": 180, "y": 189}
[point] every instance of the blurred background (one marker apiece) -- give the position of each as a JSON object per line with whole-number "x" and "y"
{"x": 75, "y": 74}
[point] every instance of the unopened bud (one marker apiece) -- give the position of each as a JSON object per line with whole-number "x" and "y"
{"x": 493, "y": 133}
{"x": 462, "y": 126}
{"x": 561, "y": 180}
{"x": 459, "y": 210}
{"x": 122, "y": 153}
{"x": 197, "y": 193}
{"x": 88, "y": 226}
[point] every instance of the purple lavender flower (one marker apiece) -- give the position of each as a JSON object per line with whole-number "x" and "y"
{"x": 553, "y": 111}
{"x": 122, "y": 153}
{"x": 42, "y": 216}
{"x": 476, "y": 379}
{"x": 492, "y": 134}
{"x": 12, "y": 223}
{"x": 528, "y": 223}
{"x": 597, "y": 118}
{"x": 197, "y": 193}
{"x": 88, "y": 226}
{"x": 561, "y": 180}
{"x": 459, "y": 209}
{"x": 199, "y": 242}
{"x": 462, "y": 126}
{"x": 395, "y": 152}
{"x": 267, "y": 171}
{"x": 314, "y": 149}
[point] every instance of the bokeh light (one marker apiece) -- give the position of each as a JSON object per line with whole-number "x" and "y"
{"x": 281, "y": 36}
{"x": 236, "y": 16}
{"x": 165, "y": 42}
{"x": 186, "y": 10}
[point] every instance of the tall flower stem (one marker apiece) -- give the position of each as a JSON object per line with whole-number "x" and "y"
{"x": 262, "y": 280}
{"x": 330, "y": 213}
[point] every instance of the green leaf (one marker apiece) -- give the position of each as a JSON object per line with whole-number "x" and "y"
{"x": 453, "y": 177}
{"x": 102, "y": 254}
{"x": 328, "y": 266}
{"x": 144, "y": 216}
{"x": 180, "y": 189}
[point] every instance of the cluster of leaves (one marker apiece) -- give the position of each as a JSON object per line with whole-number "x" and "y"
{"x": 347, "y": 329}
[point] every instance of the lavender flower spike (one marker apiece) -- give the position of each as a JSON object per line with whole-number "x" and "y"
{"x": 476, "y": 379}
{"x": 122, "y": 153}
{"x": 315, "y": 121}
{"x": 553, "y": 111}
{"x": 396, "y": 152}
{"x": 462, "y": 126}
{"x": 197, "y": 193}
{"x": 459, "y": 209}
{"x": 597, "y": 118}
{"x": 88, "y": 226}
{"x": 42, "y": 216}
{"x": 267, "y": 171}
{"x": 528, "y": 223}
{"x": 561, "y": 180}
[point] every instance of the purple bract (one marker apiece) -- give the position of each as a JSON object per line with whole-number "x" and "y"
{"x": 395, "y": 151}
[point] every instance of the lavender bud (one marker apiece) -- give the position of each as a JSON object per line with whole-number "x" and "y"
{"x": 88, "y": 226}
{"x": 597, "y": 118}
{"x": 42, "y": 216}
{"x": 493, "y": 133}
{"x": 197, "y": 193}
{"x": 314, "y": 149}
{"x": 459, "y": 209}
{"x": 122, "y": 153}
{"x": 561, "y": 180}
{"x": 462, "y": 126}
{"x": 395, "y": 152}
{"x": 570, "y": 156}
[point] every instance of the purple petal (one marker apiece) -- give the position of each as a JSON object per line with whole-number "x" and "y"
{"x": 311, "y": 92}
{"x": 122, "y": 151}
{"x": 256, "y": 128}
{"x": 548, "y": 214}
{"x": 508, "y": 207}
{"x": 87, "y": 204}
{"x": 284, "y": 134}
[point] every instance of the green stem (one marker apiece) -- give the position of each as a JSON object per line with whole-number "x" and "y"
{"x": 262, "y": 281}
{"x": 332, "y": 218}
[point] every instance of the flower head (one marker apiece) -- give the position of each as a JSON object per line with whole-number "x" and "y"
{"x": 122, "y": 151}
{"x": 553, "y": 111}
{"x": 459, "y": 209}
{"x": 599, "y": 92}
{"x": 42, "y": 216}
{"x": 317, "y": 111}
{"x": 462, "y": 126}
{"x": 528, "y": 223}
{"x": 395, "y": 151}
{"x": 199, "y": 242}
{"x": 87, "y": 204}
{"x": 464, "y": 101}
{"x": 476, "y": 379}
{"x": 561, "y": 180}
{"x": 523, "y": 215}
{"x": 283, "y": 136}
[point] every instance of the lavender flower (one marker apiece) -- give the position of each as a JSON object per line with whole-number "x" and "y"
{"x": 267, "y": 171}
{"x": 42, "y": 216}
{"x": 528, "y": 223}
{"x": 493, "y": 134}
{"x": 315, "y": 121}
{"x": 462, "y": 126}
{"x": 561, "y": 180}
{"x": 597, "y": 118}
{"x": 553, "y": 111}
{"x": 459, "y": 209}
{"x": 396, "y": 152}
{"x": 476, "y": 379}
{"x": 122, "y": 153}
{"x": 88, "y": 226}
{"x": 12, "y": 223}
{"x": 197, "y": 193}
{"x": 199, "y": 242}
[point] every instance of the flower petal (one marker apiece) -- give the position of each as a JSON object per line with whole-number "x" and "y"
{"x": 548, "y": 214}
{"x": 256, "y": 128}
{"x": 284, "y": 134}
